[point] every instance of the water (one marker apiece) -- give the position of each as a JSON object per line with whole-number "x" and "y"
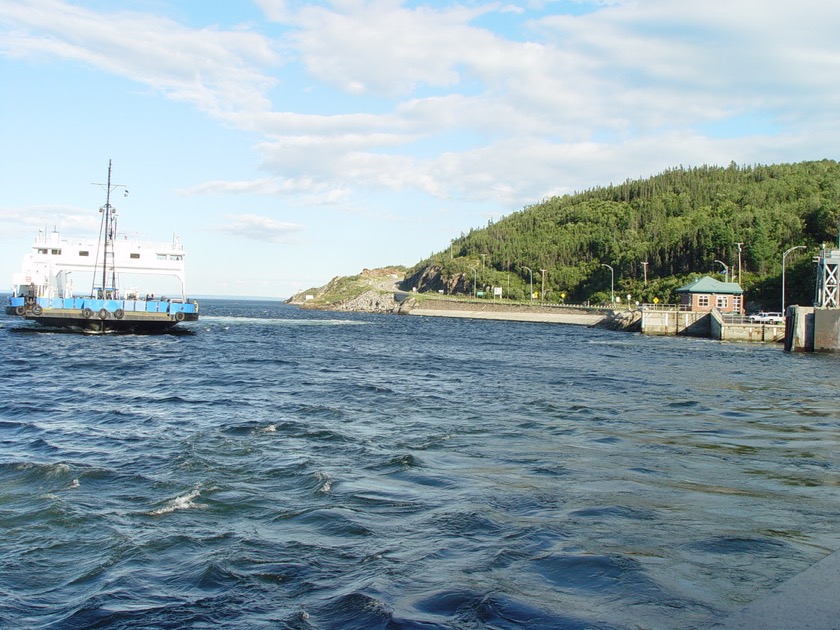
{"x": 291, "y": 469}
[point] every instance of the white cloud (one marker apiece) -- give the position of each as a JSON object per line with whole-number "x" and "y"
{"x": 420, "y": 98}
{"x": 382, "y": 47}
{"x": 17, "y": 222}
{"x": 258, "y": 228}
{"x": 217, "y": 71}
{"x": 264, "y": 186}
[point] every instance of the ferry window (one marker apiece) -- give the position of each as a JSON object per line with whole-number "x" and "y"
{"x": 42, "y": 251}
{"x": 55, "y": 252}
{"x": 83, "y": 253}
{"x": 161, "y": 256}
{"x": 175, "y": 257}
{"x": 134, "y": 255}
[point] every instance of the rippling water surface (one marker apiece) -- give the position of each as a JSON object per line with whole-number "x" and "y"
{"x": 294, "y": 469}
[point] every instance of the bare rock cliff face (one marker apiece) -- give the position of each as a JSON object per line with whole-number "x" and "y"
{"x": 369, "y": 302}
{"x": 431, "y": 279}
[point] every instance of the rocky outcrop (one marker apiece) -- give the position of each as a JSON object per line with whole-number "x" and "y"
{"x": 369, "y": 302}
{"x": 372, "y": 291}
{"x": 432, "y": 280}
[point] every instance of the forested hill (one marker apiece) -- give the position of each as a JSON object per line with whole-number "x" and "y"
{"x": 679, "y": 222}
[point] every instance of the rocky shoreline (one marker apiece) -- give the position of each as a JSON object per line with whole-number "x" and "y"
{"x": 377, "y": 291}
{"x": 371, "y": 301}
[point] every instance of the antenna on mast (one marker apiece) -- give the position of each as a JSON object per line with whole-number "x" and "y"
{"x": 108, "y": 234}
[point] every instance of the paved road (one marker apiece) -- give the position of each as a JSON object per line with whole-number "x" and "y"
{"x": 581, "y": 319}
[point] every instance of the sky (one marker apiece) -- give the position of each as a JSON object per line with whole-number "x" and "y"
{"x": 290, "y": 142}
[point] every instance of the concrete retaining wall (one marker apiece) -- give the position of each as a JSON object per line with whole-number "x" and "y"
{"x": 762, "y": 333}
{"x": 507, "y": 312}
{"x": 687, "y": 323}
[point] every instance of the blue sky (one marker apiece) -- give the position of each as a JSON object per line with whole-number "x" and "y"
{"x": 290, "y": 142}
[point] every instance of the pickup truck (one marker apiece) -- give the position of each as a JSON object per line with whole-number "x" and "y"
{"x": 767, "y": 318}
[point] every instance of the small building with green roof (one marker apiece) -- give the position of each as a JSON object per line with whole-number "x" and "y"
{"x": 706, "y": 294}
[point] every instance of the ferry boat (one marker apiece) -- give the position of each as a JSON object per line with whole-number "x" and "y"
{"x": 42, "y": 292}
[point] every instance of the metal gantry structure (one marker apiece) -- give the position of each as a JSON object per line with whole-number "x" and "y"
{"x": 828, "y": 279}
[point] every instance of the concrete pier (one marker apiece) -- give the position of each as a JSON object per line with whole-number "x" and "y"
{"x": 708, "y": 324}
{"x": 761, "y": 332}
{"x": 826, "y": 329}
{"x": 675, "y": 322}
{"x": 817, "y": 329}
{"x": 811, "y": 329}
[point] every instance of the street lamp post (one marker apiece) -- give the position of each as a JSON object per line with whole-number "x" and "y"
{"x": 644, "y": 266}
{"x": 542, "y": 294}
{"x": 531, "y": 273}
{"x": 788, "y": 251}
{"x": 475, "y": 279}
{"x": 612, "y": 283}
{"x": 725, "y": 270}
{"x": 739, "y": 261}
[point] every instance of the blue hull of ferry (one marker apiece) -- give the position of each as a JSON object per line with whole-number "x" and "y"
{"x": 98, "y": 315}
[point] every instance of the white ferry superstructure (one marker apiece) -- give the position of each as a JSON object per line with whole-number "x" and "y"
{"x": 44, "y": 292}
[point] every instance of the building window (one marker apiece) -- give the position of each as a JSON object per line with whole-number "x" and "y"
{"x": 722, "y": 301}
{"x": 83, "y": 253}
{"x": 736, "y": 303}
{"x": 703, "y": 301}
{"x": 134, "y": 255}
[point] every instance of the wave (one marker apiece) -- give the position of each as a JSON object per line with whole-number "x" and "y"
{"x": 182, "y": 502}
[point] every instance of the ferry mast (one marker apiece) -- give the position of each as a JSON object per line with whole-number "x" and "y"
{"x": 108, "y": 233}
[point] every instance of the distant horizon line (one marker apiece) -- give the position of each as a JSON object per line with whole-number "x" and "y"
{"x": 238, "y": 297}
